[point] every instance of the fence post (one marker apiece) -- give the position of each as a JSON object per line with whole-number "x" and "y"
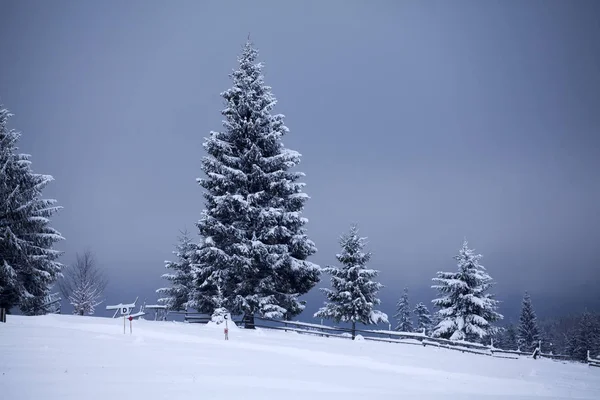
{"x": 249, "y": 323}
{"x": 2, "y": 314}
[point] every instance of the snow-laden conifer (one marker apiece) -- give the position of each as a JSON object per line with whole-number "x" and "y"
{"x": 177, "y": 295}
{"x": 423, "y": 318}
{"x": 584, "y": 337}
{"x": 353, "y": 293}
{"x": 507, "y": 338}
{"x": 403, "y": 314}
{"x": 252, "y": 228}
{"x": 466, "y": 309}
{"x": 528, "y": 335}
{"x": 28, "y": 262}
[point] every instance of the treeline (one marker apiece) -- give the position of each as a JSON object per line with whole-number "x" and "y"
{"x": 252, "y": 253}
{"x": 573, "y": 336}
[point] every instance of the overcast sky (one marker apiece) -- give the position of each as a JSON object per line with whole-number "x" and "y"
{"x": 425, "y": 122}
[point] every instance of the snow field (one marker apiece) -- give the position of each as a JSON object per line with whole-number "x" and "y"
{"x": 70, "y": 357}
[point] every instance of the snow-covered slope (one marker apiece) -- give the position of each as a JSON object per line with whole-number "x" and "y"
{"x": 69, "y": 357}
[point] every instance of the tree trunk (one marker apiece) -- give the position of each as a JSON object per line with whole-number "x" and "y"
{"x": 353, "y": 330}
{"x": 81, "y": 312}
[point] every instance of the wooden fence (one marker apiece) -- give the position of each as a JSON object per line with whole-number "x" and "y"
{"x": 410, "y": 338}
{"x": 593, "y": 362}
{"x": 199, "y": 318}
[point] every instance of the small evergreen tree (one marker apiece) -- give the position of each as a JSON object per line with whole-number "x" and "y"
{"x": 177, "y": 296}
{"x": 353, "y": 293}
{"x": 28, "y": 262}
{"x": 403, "y": 314}
{"x": 253, "y": 228}
{"x": 423, "y": 318}
{"x": 466, "y": 310}
{"x": 528, "y": 335}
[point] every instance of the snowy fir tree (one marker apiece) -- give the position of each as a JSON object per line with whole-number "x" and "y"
{"x": 52, "y": 303}
{"x": 177, "y": 295}
{"x": 585, "y": 337}
{"x": 252, "y": 228}
{"x": 403, "y": 314}
{"x": 435, "y": 321}
{"x": 528, "y": 335}
{"x": 83, "y": 284}
{"x": 353, "y": 293}
{"x": 28, "y": 262}
{"x": 509, "y": 338}
{"x": 423, "y": 318}
{"x": 206, "y": 292}
{"x": 465, "y": 308}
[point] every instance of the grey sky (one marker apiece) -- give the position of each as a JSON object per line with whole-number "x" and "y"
{"x": 425, "y": 122}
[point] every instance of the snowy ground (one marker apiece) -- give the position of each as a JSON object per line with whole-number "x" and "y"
{"x": 68, "y": 357}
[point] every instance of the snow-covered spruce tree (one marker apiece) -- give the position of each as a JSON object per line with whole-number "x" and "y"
{"x": 28, "y": 262}
{"x": 465, "y": 307}
{"x": 206, "y": 293}
{"x": 252, "y": 226}
{"x": 353, "y": 293}
{"x": 509, "y": 338}
{"x": 83, "y": 284}
{"x": 423, "y": 318}
{"x": 435, "y": 321}
{"x": 403, "y": 314}
{"x": 528, "y": 335}
{"x": 52, "y": 303}
{"x": 585, "y": 337}
{"x": 177, "y": 295}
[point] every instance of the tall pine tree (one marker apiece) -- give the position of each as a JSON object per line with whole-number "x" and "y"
{"x": 177, "y": 295}
{"x": 424, "y": 320}
{"x": 353, "y": 293}
{"x": 465, "y": 308}
{"x": 528, "y": 335}
{"x": 28, "y": 262}
{"x": 403, "y": 314}
{"x": 253, "y": 229}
